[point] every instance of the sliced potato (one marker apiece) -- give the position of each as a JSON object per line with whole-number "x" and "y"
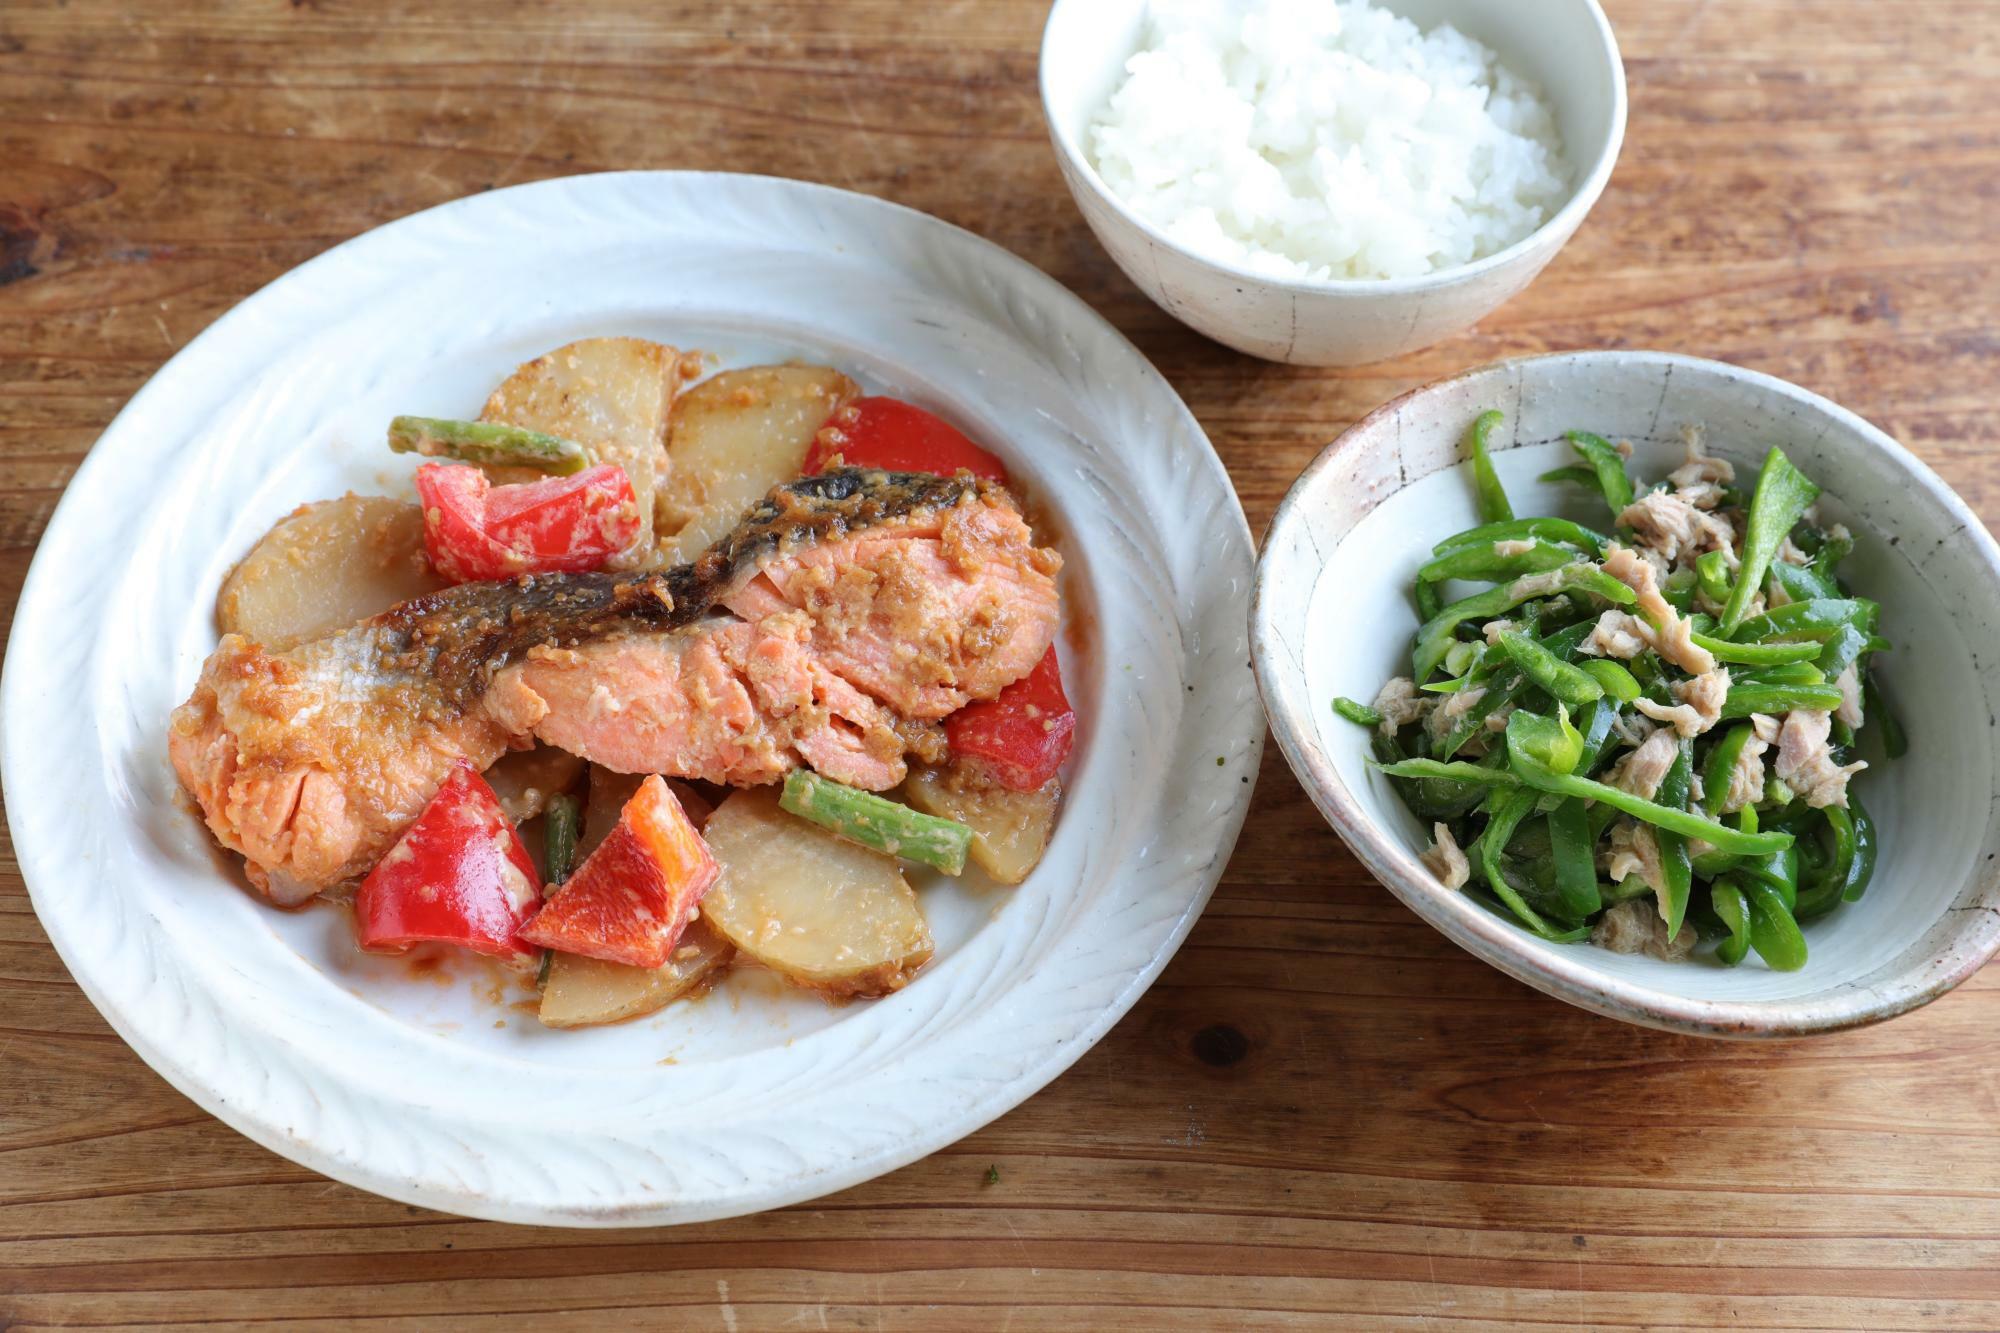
{"x": 825, "y": 913}
{"x": 325, "y": 566}
{"x": 1010, "y": 829}
{"x": 582, "y": 991}
{"x": 734, "y": 437}
{"x": 524, "y": 780}
{"x": 610, "y": 395}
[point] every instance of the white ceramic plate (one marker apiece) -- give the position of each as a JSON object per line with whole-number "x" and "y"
{"x": 1333, "y": 617}
{"x": 429, "y": 1091}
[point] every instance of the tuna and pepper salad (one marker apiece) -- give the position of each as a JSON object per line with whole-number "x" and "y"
{"x": 653, "y": 679}
{"x": 1644, "y": 738}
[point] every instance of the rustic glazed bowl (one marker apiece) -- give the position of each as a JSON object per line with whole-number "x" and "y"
{"x": 1331, "y": 616}
{"x": 1566, "y": 46}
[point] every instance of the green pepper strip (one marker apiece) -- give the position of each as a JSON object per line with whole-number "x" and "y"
{"x": 1616, "y": 681}
{"x": 1819, "y": 619}
{"x": 1676, "y": 869}
{"x": 1434, "y": 639}
{"x": 1482, "y": 562}
{"x": 1863, "y": 869}
{"x": 1744, "y": 700}
{"x": 1831, "y": 552}
{"x": 1722, "y": 757}
{"x": 1782, "y": 495}
{"x": 1755, "y": 654}
{"x": 1500, "y": 825}
{"x": 1895, "y": 741}
{"x": 1609, "y": 465}
{"x": 1575, "y": 472}
{"x": 1733, "y": 906}
{"x": 1842, "y": 651}
{"x": 1720, "y": 836}
{"x": 1785, "y": 673}
{"x": 1571, "y": 844}
{"x": 1498, "y": 695}
{"x": 1780, "y": 870}
{"x": 1559, "y": 530}
{"x": 1803, "y": 583}
{"x": 1493, "y": 505}
{"x": 1774, "y": 934}
{"x": 1565, "y": 683}
{"x": 1358, "y": 713}
{"x": 1823, "y": 893}
{"x": 1429, "y": 600}
{"x": 1455, "y": 771}
{"x": 1712, "y": 570}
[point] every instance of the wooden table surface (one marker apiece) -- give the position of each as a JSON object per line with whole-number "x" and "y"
{"x": 1322, "y": 1113}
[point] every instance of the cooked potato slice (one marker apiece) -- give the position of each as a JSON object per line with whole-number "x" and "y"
{"x": 325, "y": 566}
{"x": 1010, "y": 829}
{"x": 734, "y": 437}
{"x": 827, "y": 914}
{"x": 610, "y": 395}
{"x": 525, "y": 779}
{"x": 582, "y": 991}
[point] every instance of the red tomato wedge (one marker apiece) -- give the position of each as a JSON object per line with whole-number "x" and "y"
{"x": 475, "y": 530}
{"x": 459, "y": 875}
{"x": 896, "y": 437}
{"x": 1023, "y": 736}
{"x": 632, "y": 897}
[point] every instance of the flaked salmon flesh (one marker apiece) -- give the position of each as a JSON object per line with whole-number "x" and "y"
{"x": 840, "y": 607}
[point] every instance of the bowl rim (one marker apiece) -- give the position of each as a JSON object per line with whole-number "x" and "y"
{"x": 1553, "y": 232}
{"x": 1504, "y": 944}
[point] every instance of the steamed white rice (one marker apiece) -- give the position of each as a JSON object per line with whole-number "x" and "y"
{"x": 1308, "y": 139}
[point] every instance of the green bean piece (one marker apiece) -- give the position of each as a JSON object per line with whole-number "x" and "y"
{"x": 1608, "y": 465}
{"x": 873, "y": 822}
{"x": 1564, "y": 683}
{"x": 1493, "y": 505}
{"x": 1434, "y": 638}
{"x": 1755, "y": 654}
{"x": 1572, "y": 848}
{"x": 1613, "y": 678}
{"x": 1722, "y": 757}
{"x": 1575, "y": 472}
{"x": 1676, "y": 867}
{"x": 1712, "y": 573}
{"x": 1688, "y": 824}
{"x": 1774, "y": 934}
{"x": 1733, "y": 906}
{"x": 562, "y": 824}
{"x": 1483, "y": 562}
{"x": 1358, "y": 713}
{"x": 1782, "y": 495}
{"x": 1803, "y": 583}
{"x": 488, "y": 443}
{"x": 1500, "y": 826}
{"x": 1895, "y": 741}
{"x": 1744, "y": 700}
{"x": 1558, "y": 530}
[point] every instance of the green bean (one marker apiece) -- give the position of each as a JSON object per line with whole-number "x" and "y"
{"x": 562, "y": 825}
{"x": 1774, "y": 934}
{"x": 1570, "y": 846}
{"x": 1733, "y": 906}
{"x": 1559, "y": 530}
{"x": 1783, "y": 494}
{"x": 1744, "y": 700}
{"x": 1722, "y": 757}
{"x": 1483, "y": 562}
{"x": 1575, "y": 472}
{"x": 1564, "y": 683}
{"x": 1895, "y": 742}
{"x": 1615, "y": 680}
{"x": 1684, "y": 822}
{"x": 1676, "y": 869}
{"x": 487, "y": 442}
{"x": 1493, "y": 505}
{"x": 1609, "y": 465}
{"x": 1358, "y": 713}
{"x": 1712, "y": 570}
{"x": 875, "y": 822}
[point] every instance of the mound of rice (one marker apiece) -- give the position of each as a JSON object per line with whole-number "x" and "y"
{"x": 1303, "y": 139}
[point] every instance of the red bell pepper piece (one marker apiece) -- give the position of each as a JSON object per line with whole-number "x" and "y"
{"x": 459, "y": 875}
{"x": 1023, "y": 736}
{"x": 476, "y": 530}
{"x": 890, "y": 434}
{"x": 633, "y": 896}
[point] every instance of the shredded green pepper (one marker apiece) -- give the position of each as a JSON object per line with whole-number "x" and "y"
{"x": 1493, "y": 505}
{"x": 1358, "y": 713}
{"x": 1676, "y": 868}
{"x": 1615, "y": 679}
{"x": 1564, "y": 683}
{"x": 1783, "y": 494}
{"x": 1608, "y": 465}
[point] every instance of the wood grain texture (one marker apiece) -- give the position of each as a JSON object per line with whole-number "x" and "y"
{"x": 1322, "y": 1114}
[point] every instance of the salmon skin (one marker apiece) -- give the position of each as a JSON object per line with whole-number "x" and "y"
{"x": 840, "y": 618}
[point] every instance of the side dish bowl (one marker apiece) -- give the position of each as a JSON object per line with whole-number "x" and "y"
{"x": 1331, "y": 616}
{"x": 1566, "y": 46}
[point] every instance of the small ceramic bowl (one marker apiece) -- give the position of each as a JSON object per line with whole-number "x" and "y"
{"x": 1566, "y": 46}
{"x": 1332, "y": 616}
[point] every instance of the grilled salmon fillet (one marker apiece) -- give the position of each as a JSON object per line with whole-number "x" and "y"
{"x": 842, "y": 608}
